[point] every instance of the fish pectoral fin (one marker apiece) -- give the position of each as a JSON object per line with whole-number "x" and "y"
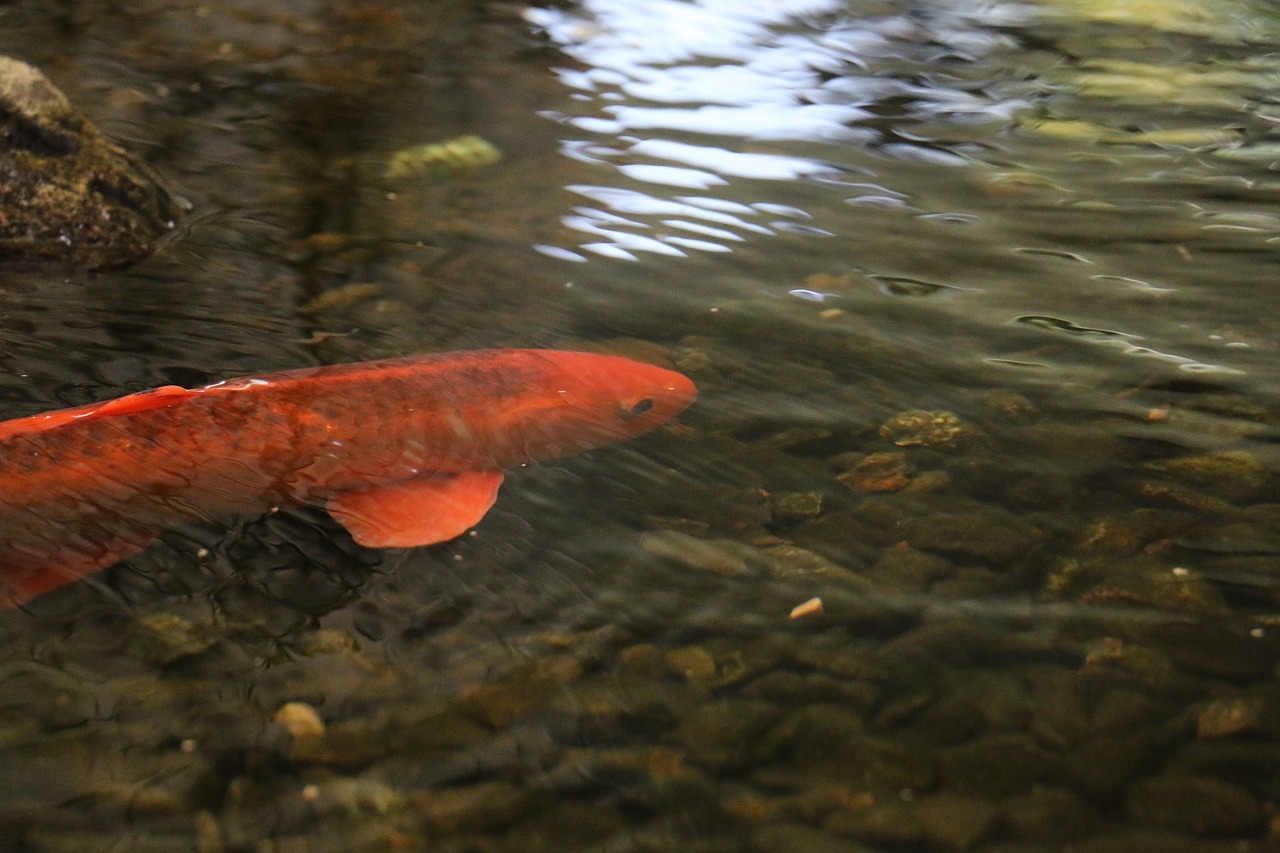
{"x": 421, "y": 511}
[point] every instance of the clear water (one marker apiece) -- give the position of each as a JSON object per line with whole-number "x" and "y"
{"x": 1049, "y": 619}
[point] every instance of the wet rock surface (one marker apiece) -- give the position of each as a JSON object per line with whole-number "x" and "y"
{"x": 67, "y": 194}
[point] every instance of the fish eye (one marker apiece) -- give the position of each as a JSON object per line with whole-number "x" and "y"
{"x": 639, "y": 407}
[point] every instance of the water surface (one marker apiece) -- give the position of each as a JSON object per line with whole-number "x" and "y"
{"x": 977, "y": 297}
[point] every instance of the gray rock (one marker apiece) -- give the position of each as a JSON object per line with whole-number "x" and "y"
{"x": 67, "y": 195}
{"x": 794, "y": 506}
{"x": 718, "y": 556}
{"x": 939, "y": 822}
{"x": 790, "y": 837}
{"x": 726, "y": 734}
{"x": 832, "y": 746}
{"x": 1000, "y": 764}
{"x": 1230, "y": 475}
{"x": 1049, "y": 815}
{"x": 792, "y": 689}
{"x": 1101, "y": 767}
{"x": 985, "y": 536}
{"x": 904, "y": 569}
{"x": 1196, "y": 805}
{"x": 482, "y": 806}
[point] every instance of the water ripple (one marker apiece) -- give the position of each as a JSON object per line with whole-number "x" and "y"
{"x": 661, "y": 80}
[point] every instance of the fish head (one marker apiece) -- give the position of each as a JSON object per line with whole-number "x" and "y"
{"x": 586, "y": 400}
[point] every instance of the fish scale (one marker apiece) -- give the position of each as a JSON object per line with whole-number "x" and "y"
{"x": 402, "y": 452}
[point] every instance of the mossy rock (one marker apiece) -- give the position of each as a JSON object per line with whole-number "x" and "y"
{"x": 67, "y": 195}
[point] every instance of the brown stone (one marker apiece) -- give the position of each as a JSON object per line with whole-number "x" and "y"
{"x": 879, "y": 472}
{"x": 67, "y": 195}
{"x": 1196, "y": 805}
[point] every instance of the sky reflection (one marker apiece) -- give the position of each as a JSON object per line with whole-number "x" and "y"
{"x": 711, "y": 95}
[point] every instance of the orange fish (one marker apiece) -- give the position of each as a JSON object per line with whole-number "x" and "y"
{"x": 402, "y": 452}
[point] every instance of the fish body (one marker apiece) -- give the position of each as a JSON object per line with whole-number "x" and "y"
{"x": 403, "y": 452}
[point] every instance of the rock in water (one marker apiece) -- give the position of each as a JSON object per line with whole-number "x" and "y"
{"x": 67, "y": 195}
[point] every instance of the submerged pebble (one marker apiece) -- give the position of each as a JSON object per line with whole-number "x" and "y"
{"x": 906, "y": 569}
{"x": 299, "y": 719}
{"x": 811, "y": 607}
{"x": 167, "y": 637}
{"x": 989, "y": 536}
{"x": 1231, "y": 475}
{"x": 346, "y": 796}
{"x": 719, "y": 556}
{"x": 1194, "y": 805}
{"x": 1000, "y": 765}
{"x": 349, "y": 744}
{"x": 340, "y": 298}
{"x": 918, "y": 427}
{"x": 879, "y": 472}
{"x": 438, "y": 159}
{"x": 1049, "y": 814}
{"x": 692, "y": 663}
{"x": 1142, "y": 580}
{"x": 485, "y": 806}
{"x": 1241, "y": 715}
{"x": 725, "y": 734}
{"x": 790, "y": 837}
{"x": 793, "y": 506}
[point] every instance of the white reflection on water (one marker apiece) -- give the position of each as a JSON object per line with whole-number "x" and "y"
{"x": 709, "y": 210}
{"x": 751, "y": 121}
{"x": 623, "y": 245}
{"x": 672, "y": 176}
{"x": 767, "y": 74}
{"x": 768, "y": 167}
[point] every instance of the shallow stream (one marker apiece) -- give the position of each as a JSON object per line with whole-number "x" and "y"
{"x": 975, "y": 295}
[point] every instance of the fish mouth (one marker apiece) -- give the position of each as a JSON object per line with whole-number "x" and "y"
{"x": 683, "y": 391}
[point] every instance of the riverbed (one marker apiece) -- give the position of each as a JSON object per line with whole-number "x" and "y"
{"x": 970, "y": 542}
